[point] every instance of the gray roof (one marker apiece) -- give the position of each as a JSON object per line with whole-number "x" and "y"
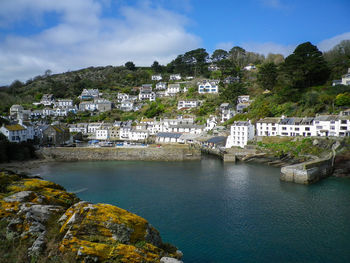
{"x": 290, "y": 121}
{"x": 187, "y": 126}
{"x": 169, "y": 134}
{"x": 218, "y": 139}
{"x": 326, "y": 118}
{"x": 241, "y": 123}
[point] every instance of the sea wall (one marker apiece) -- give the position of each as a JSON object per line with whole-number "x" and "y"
{"x": 308, "y": 172}
{"x": 123, "y": 154}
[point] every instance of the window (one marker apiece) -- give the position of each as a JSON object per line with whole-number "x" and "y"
{"x": 307, "y": 128}
{"x": 297, "y": 129}
{"x": 284, "y": 128}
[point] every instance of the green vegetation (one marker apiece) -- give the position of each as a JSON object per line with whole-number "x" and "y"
{"x": 293, "y": 148}
{"x": 299, "y": 85}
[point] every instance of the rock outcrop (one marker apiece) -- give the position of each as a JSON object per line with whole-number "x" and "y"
{"x": 40, "y": 219}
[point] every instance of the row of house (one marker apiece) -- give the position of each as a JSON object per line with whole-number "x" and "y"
{"x": 321, "y": 125}
{"x": 44, "y": 134}
{"x": 171, "y": 77}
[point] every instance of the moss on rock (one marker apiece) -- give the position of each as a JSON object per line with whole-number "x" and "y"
{"x": 50, "y": 223}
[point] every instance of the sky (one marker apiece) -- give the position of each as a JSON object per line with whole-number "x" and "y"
{"x": 66, "y": 35}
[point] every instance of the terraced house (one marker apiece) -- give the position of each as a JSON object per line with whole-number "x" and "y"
{"x": 15, "y": 132}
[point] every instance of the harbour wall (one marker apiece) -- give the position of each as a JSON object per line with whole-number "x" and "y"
{"x": 122, "y": 154}
{"x": 308, "y": 172}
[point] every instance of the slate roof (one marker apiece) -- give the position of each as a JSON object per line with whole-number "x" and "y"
{"x": 15, "y": 127}
{"x": 218, "y": 139}
{"x": 169, "y": 134}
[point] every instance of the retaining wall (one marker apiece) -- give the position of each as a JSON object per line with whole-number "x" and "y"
{"x": 123, "y": 154}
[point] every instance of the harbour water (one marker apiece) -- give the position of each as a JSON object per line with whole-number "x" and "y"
{"x": 217, "y": 212}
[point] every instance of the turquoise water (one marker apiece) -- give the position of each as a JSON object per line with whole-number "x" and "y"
{"x": 217, "y": 212}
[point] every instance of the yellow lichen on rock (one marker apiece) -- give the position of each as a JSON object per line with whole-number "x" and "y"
{"x": 97, "y": 232}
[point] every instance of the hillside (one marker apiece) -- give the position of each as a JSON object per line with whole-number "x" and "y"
{"x": 298, "y": 85}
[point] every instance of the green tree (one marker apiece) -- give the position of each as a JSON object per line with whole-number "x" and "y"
{"x": 218, "y": 55}
{"x": 306, "y": 67}
{"x": 130, "y": 65}
{"x": 231, "y": 92}
{"x": 157, "y": 68}
{"x": 237, "y": 56}
{"x": 267, "y": 75}
{"x": 338, "y": 58}
{"x": 343, "y": 99}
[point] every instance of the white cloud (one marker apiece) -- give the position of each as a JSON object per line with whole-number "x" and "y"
{"x": 276, "y": 48}
{"x": 269, "y": 47}
{"x": 225, "y": 45}
{"x": 84, "y": 38}
{"x": 328, "y": 44}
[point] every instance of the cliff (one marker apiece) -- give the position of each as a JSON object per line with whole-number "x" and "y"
{"x": 41, "y": 222}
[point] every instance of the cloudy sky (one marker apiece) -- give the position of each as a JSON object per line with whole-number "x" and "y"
{"x": 36, "y": 35}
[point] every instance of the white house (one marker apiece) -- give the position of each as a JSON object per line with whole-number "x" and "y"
{"x": 122, "y": 96}
{"x": 79, "y": 127}
{"x": 187, "y": 104}
{"x": 87, "y": 106}
{"x": 211, "y": 123}
{"x": 185, "y": 128}
{"x": 16, "y": 109}
{"x": 138, "y": 134}
{"x": 249, "y": 67}
{"x": 267, "y": 127}
{"x": 127, "y": 105}
{"x": 146, "y": 93}
{"x": 213, "y": 67}
{"x": 241, "y": 133}
{"x": 124, "y": 132}
{"x": 161, "y": 86}
{"x": 14, "y": 133}
{"x": 327, "y": 125}
{"x": 168, "y": 137}
{"x": 64, "y": 103}
{"x": 227, "y": 114}
{"x": 156, "y": 77}
{"x": 92, "y": 127}
{"x": 346, "y": 78}
{"x": 175, "y": 77}
{"x": 208, "y": 87}
{"x": 172, "y": 89}
{"x": 102, "y": 133}
{"x": 243, "y": 102}
{"x": 47, "y": 99}
{"x": 344, "y": 81}
{"x": 89, "y": 94}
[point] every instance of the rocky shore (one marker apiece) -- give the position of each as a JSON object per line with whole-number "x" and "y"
{"x": 41, "y": 222}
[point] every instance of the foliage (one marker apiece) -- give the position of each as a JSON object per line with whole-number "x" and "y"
{"x": 294, "y": 149}
{"x": 343, "y": 99}
{"x": 231, "y": 92}
{"x": 338, "y": 59}
{"x": 130, "y": 65}
{"x": 155, "y": 109}
{"x": 306, "y": 67}
{"x": 267, "y": 75}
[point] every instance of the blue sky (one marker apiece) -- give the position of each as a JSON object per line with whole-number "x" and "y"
{"x": 36, "y": 35}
